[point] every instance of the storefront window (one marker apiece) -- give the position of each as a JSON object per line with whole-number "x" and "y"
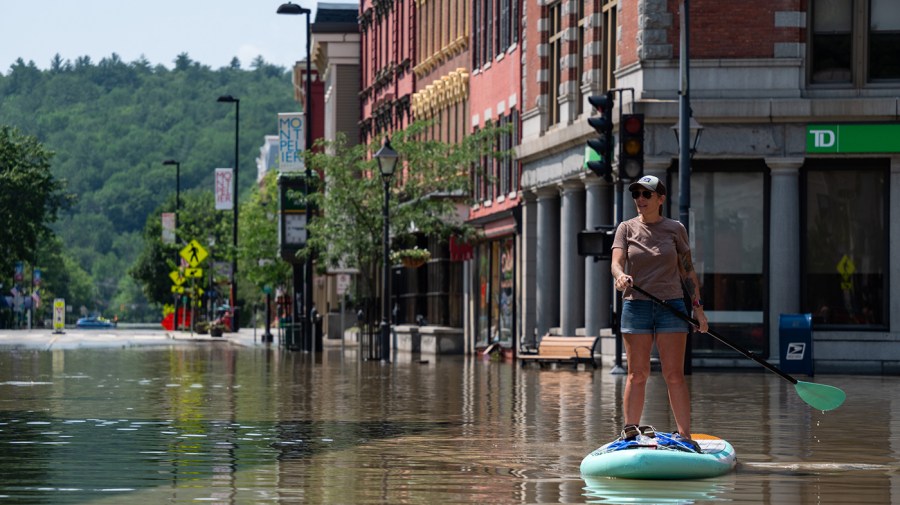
{"x": 495, "y": 274}
{"x": 505, "y": 294}
{"x": 483, "y": 282}
{"x": 727, "y": 234}
{"x": 846, "y": 239}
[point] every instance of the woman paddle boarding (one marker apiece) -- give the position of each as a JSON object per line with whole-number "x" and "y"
{"x": 654, "y": 250}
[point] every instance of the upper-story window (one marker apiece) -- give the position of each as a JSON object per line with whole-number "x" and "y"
{"x": 496, "y": 29}
{"x": 555, "y": 54}
{"x": 854, "y": 42}
{"x": 498, "y": 176}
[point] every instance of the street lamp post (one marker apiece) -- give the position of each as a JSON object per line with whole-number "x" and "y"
{"x": 387, "y": 160}
{"x": 177, "y": 187}
{"x": 177, "y": 206}
{"x": 685, "y": 150}
{"x": 234, "y": 225}
{"x": 294, "y": 9}
{"x": 684, "y": 115}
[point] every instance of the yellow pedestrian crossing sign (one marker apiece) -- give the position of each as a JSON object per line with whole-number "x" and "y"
{"x": 177, "y": 277}
{"x": 193, "y": 253}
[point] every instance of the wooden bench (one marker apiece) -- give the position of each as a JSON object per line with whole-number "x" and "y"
{"x": 556, "y": 349}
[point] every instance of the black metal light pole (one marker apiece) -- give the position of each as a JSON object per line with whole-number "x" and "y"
{"x": 387, "y": 160}
{"x": 177, "y": 205}
{"x": 294, "y": 9}
{"x": 177, "y": 187}
{"x": 235, "y": 326}
{"x": 685, "y": 149}
{"x": 684, "y": 115}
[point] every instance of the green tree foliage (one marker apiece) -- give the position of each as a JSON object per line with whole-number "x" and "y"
{"x": 258, "y": 261}
{"x": 30, "y": 196}
{"x": 431, "y": 180}
{"x": 112, "y": 123}
{"x": 198, "y": 220}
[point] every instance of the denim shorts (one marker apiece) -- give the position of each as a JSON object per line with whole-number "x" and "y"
{"x": 646, "y": 316}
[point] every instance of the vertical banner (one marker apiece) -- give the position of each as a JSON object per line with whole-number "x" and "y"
{"x": 168, "y": 227}
{"x": 291, "y": 141}
{"x": 224, "y": 189}
{"x": 20, "y": 271}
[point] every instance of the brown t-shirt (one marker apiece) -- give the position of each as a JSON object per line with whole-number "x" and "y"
{"x": 651, "y": 256}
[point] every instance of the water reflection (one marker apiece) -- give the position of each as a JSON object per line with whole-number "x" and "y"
{"x": 605, "y": 490}
{"x": 222, "y": 424}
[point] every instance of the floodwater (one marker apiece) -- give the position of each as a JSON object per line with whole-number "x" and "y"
{"x": 216, "y": 423}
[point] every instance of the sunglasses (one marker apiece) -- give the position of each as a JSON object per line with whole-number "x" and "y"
{"x": 637, "y": 194}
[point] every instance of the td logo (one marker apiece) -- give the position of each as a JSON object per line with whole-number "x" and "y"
{"x": 823, "y": 138}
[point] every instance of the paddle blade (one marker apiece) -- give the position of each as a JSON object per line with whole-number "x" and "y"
{"x": 820, "y": 396}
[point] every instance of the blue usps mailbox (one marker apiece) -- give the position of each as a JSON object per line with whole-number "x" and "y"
{"x": 795, "y": 334}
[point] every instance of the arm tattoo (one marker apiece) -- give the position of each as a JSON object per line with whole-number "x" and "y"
{"x": 687, "y": 267}
{"x": 686, "y": 264}
{"x": 691, "y": 288}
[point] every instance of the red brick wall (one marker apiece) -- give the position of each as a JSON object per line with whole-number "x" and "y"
{"x": 628, "y": 25}
{"x": 496, "y": 84}
{"x": 734, "y": 28}
{"x": 534, "y": 63}
{"x": 400, "y": 22}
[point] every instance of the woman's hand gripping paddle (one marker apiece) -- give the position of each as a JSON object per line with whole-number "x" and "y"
{"x": 818, "y": 396}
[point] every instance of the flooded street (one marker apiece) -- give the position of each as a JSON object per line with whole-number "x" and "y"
{"x": 218, "y": 423}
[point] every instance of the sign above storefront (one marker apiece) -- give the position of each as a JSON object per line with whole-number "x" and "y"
{"x": 853, "y": 138}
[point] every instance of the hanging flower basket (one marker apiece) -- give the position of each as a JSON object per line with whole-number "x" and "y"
{"x": 411, "y": 258}
{"x": 412, "y": 262}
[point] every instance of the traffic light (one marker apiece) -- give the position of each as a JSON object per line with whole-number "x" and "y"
{"x": 603, "y": 144}
{"x": 631, "y": 147}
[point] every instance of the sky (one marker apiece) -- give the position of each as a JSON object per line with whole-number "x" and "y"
{"x": 211, "y": 32}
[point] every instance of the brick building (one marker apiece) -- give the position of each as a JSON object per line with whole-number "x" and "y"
{"x": 784, "y": 218}
{"x": 495, "y": 99}
{"x": 779, "y": 224}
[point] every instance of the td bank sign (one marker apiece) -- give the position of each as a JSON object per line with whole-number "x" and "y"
{"x": 853, "y": 138}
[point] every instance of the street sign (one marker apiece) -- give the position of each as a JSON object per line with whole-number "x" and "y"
{"x": 177, "y": 289}
{"x": 194, "y": 253}
{"x": 193, "y": 273}
{"x": 343, "y": 284}
{"x": 177, "y": 277}
{"x": 59, "y": 315}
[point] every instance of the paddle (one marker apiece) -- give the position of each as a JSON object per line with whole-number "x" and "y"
{"x": 818, "y": 396}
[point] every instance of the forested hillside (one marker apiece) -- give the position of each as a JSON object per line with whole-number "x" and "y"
{"x": 111, "y": 124}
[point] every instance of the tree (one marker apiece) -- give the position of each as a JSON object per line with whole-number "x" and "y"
{"x": 111, "y": 125}
{"x": 30, "y": 196}
{"x": 431, "y": 179}
{"x": 258, "y": 262}
{"x": 198, "y": 220}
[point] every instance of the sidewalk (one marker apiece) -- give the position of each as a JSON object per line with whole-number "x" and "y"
{"x": 73, "y": 338}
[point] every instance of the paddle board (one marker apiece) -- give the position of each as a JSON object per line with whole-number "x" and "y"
{"x": 653, "y": 458}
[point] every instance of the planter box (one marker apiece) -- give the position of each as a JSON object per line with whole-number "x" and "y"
{"x": 441, "y": 340}
{"x": 408, "y": 338}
